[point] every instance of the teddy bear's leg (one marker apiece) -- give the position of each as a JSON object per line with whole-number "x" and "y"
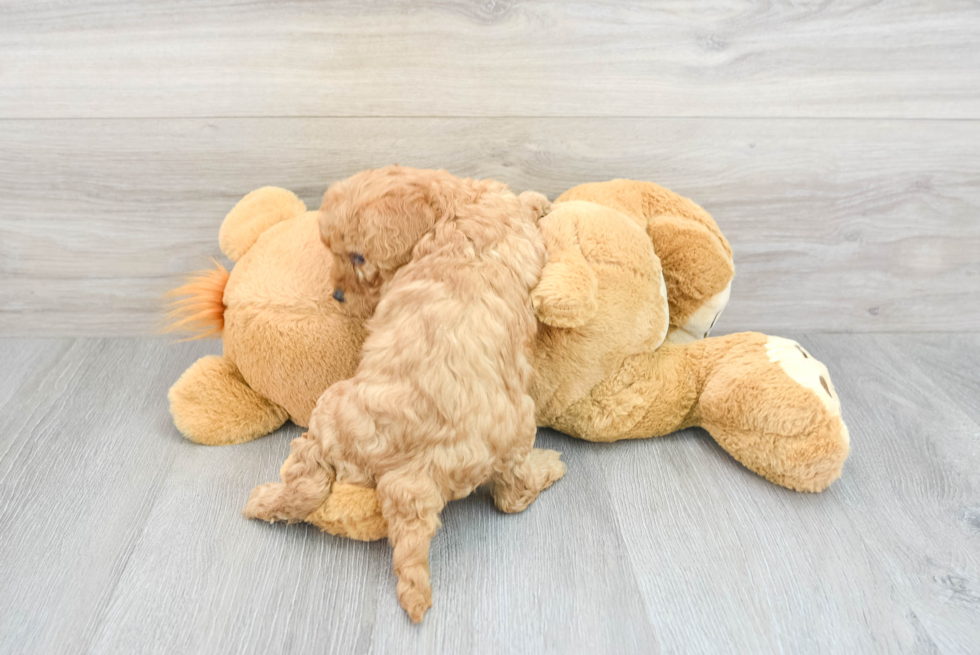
{"x": 411, "y": 504}
{"x": 351, "y": 511}
{"x": 519, "y": 481}
{"x": 765, "y": 400}
{"x": 213, "y": 405}
{"x": 773, "y": 407}
{"x": 652, "y": 394}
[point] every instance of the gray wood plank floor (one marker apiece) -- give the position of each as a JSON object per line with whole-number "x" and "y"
{"x": 118, "y": 536}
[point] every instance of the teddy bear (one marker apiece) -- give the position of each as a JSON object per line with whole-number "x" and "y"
{"x": 636, "y": 277}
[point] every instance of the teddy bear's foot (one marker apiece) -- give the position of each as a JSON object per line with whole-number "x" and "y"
{"x": 773, "y": 406}
{"x": 520, "y": 484}
{"x": 351, "y": 511}
{"x": 213, "y": 405}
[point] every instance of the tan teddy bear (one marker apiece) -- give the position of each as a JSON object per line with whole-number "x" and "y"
{"x": 636, "y": 277}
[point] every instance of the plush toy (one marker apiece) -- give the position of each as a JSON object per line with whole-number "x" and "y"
{"x": 635, "y": 279}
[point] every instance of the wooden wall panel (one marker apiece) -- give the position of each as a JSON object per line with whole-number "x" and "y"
{"x": 837, "y": 225}
{"x": 855, "y": 58}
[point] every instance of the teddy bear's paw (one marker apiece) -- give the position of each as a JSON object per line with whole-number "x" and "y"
{"x": 351, "y": 511}
{"x": 566, "y": 296}
{"x": 773, "y": 407}
{"x": 805, "y": 370}
{"x": 213, "y": 405}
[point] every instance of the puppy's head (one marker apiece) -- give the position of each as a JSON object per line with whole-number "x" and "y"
{"x": 370, "y": 222}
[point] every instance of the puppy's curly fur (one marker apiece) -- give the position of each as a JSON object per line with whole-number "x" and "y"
{"x": 444, "y": 267}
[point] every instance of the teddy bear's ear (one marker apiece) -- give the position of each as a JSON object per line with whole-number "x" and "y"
{"x": 253, "y": 215}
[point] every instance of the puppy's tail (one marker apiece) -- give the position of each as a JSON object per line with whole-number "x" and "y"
{"x": 197, "y": 307}
{"x": 538, "y": 203}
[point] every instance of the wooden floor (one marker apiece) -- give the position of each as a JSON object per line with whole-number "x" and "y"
{"x": 117, "y": 536}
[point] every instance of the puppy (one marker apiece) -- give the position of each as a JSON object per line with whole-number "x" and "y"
{"x": 444, "y": 268}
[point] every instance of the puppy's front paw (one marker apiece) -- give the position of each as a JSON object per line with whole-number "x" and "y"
{"x": 538, "y": 203}
{"x": 266, "y": 502}
{"x": 416, "y": 599}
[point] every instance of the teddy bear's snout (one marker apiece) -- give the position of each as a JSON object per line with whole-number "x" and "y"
{"x": 338, "y": 295}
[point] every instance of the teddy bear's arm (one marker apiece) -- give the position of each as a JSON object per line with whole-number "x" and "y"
{"x": 253, "y": 215}
{"x": 213, "y": 405}
{"x": 567, "y": 295}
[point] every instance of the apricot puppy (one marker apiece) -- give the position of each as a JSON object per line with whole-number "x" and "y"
{"x": 444, "y": 267}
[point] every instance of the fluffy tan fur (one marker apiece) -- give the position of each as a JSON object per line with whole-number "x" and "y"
{"x": 439, "y": 403}
{"x": 696, "y": 257}
{"x": 231, "y": 411}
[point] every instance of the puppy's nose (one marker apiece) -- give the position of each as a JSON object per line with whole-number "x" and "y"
{"x": 338, "y": 295}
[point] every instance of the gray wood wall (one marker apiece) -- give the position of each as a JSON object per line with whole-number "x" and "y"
{"x": 836, "y": 143}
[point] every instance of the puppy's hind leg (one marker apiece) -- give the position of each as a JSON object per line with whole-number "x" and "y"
{"x": 410, "y": 503}
{"x": 519, "y": 480}
{"x": 306, "y": 483}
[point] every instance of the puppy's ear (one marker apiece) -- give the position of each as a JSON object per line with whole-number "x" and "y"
{"x": 437, "y": 200}
{"x": 396, "y": 222}
{"x": 445, "y": 194}
{"x": 427, "y": 207}
{"x": 329, "y": 196}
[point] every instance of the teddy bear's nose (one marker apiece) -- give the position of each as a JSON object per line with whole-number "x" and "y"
{"x": 338, "y": 295}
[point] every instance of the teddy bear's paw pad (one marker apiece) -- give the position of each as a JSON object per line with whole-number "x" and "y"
{"x": 804, "y": 369}
{"x": 700, "y": 323}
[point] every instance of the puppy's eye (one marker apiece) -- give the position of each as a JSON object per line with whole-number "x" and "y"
{"x": 356, "y": 259}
